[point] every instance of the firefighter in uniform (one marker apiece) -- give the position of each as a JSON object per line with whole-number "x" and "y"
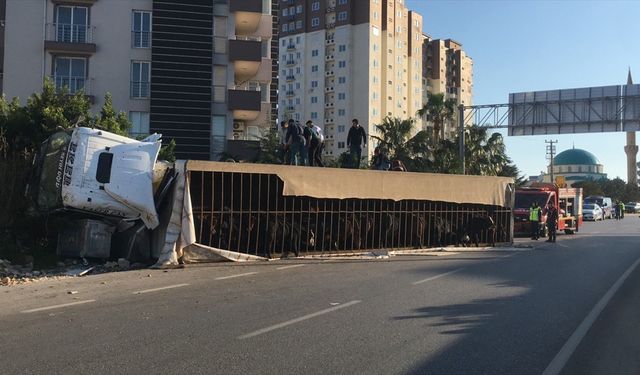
{"x": 534, "y": 220}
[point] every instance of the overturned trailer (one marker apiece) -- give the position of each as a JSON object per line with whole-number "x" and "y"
{"x": 253, "y": 211}
{"x": 113, "y": 189}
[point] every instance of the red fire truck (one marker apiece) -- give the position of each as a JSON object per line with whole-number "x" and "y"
{"x": 567, "y": 200}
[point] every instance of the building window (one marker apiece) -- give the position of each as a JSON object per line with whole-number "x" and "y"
{"x": 297, "y": 100}
{"x": 342, "y": 16}
{"x": 342, "y": 79}
{"x": 285, "y": 28}
{"x": 220, "y": 83}
{"x": 292, "y": 11}
{"x": 298, "y": 24}
{"x": 299, "y": 9}
{"x": 71, "y": 24}
{"x": 342, "y": 112}
{"x": 342, "y": 48}
{"x": 298, "y": 85}
{"x": 141, "y": 29}
{"x": 314, "y": 99}
{"x": 285, "y": 12}
{"x": 342, "y": 96}
{"x": 340, "y": 144}
{"x": 314, "y": 53}
{"x": 140, "y": 77}
{"x": 342, "y": 64}
{"x": 297, "y": 117}
{"x": 298, "y": 39}
{"x": 139, "y": 123}
{"x": 314, "y": 84}
{"x": 315, "y": 6}
{"x": 341, "y": 128}
{"x": 70, "y": 72}
{"x": 220, "y": 36}
{"x": 342, "y": 2}
{"x": 314, "y": 115}
{"x": 292, "y": 26}
{"x": 314, "y": 68}
{"x": 315, "y": 22}
{"x": 298, "y": 70}
{"x": 375, "y": 30}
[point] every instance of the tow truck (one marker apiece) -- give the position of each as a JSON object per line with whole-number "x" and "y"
{"x": 567, "y": 200}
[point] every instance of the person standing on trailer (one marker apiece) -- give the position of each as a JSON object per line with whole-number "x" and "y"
{"x": 284, "y": 147}
{"x": 356, "y": 139}
{"x": 296, "y": 142}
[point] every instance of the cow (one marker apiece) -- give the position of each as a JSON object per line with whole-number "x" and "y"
{"x": 478, "y": 225}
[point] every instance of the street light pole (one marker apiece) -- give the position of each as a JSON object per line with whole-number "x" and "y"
{"x": 461, "y": 136}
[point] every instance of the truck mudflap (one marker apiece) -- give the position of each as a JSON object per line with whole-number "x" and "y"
{"x": 132, "y": 185}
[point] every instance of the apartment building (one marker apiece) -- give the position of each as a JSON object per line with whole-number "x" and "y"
{"x": 449, "y": 70}
{"x": 345, "y": 59}
{"x": 197, "y": 71}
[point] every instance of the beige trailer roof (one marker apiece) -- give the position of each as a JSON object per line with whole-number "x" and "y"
{"x": 366, "y": 184}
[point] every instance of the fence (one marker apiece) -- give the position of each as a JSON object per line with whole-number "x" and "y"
{"x": 249, "y": 212}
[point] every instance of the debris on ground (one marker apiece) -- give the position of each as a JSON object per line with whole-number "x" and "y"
{"x": 13, "y": 274}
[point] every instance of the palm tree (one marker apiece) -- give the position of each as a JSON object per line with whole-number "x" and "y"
{"x": 438, "y": 110}
{"x": 399, "y": 139}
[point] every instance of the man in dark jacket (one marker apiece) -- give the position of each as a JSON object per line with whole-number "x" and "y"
{"x": 297, "y": 143}
{"x": 356, "y": 139}
{"x": 552, "y": 222}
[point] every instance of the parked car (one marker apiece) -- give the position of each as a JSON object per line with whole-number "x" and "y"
{"x": 592, "y": 211}
{"x": 632, "y": 207}
{"x": 604, "y": 203}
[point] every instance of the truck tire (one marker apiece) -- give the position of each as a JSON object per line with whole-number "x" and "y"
{"x": 568, "y": 231}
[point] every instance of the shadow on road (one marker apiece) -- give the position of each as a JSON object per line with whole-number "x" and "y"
{"x": 519, "y": 331}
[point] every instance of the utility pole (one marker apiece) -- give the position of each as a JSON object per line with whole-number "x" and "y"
{"x": 551, "y": 153}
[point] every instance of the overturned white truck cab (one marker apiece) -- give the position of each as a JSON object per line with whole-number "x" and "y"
{"x": 104, "y": 184}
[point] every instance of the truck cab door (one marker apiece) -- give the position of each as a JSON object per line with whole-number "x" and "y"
{"x": 130, "y": 179}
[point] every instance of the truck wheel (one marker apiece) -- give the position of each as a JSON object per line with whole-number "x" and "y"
{"x": 568, "y": 231}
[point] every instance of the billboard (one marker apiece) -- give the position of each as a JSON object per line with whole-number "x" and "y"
{"x": 570, "y": 111}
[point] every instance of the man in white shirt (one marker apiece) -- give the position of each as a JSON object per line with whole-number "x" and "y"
{"x": 284, "y": 147}
{"x": 316, "y": 142}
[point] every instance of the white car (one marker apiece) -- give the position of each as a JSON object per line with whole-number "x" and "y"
{"x": 592, "y": 211}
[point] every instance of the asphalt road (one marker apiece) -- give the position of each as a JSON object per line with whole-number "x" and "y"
{"x": 489, "y": 312}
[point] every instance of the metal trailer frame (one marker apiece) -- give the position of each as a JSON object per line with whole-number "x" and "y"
{"x": 247, "y": 213}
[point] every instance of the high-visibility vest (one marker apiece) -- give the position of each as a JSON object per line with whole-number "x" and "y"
{"x": 534, "y": 214}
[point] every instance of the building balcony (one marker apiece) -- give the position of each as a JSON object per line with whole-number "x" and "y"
{"x": 72, "y": 85}
{"x": 246, "y": 56}
{"x": 291, "y": 108}
{"x": 291, "y": 47}
{"x": 290, "y": 62}
{"x": 64, "y": 37}
{"x": 245, "y": 102}
{"x": 248, "y": 14}
{"x": 291, "y": 93}
{"x": 291, "y": 78}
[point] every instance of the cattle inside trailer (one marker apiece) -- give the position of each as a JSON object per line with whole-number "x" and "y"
{"x": 278, "y": 211}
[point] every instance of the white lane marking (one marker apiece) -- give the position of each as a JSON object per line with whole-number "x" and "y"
{"x": 291, "y": 266}
{"x": 297, "y": 320}
{"x": 559, "y": 244}
{"x": 437, "y": 276}
{"x": 58, "y": 306}
{"x": 560, "y": 360}
{"x": 161, "y": 288}
{"x": 232, "y": 276}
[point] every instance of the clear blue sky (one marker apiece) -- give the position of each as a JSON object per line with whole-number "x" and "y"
{"x": 543, "y": 45}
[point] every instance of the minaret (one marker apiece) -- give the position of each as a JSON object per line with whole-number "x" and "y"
{"x": 631, "y": 149}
